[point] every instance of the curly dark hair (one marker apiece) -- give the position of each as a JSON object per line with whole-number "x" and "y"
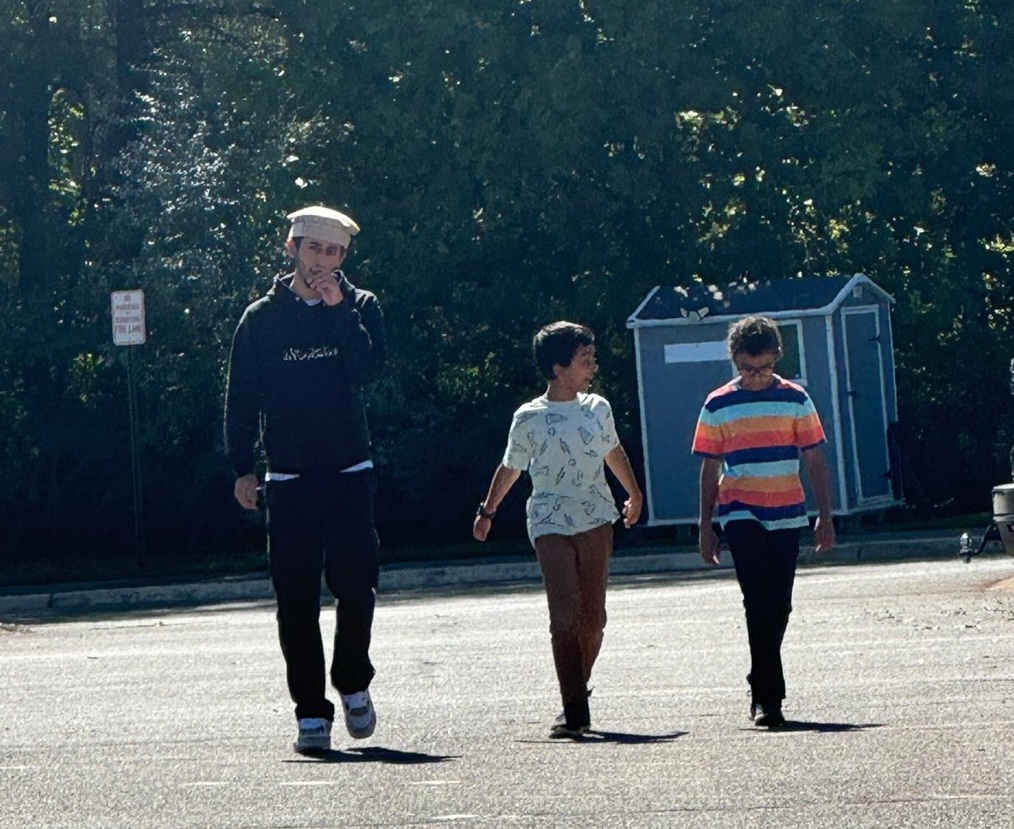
{"x": 754, "y": 336}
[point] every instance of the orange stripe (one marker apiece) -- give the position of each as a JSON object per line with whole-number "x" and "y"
{"x": 710, "y": 447}
{"x": 777, "y": 483}
{"x": 758, "y": 440}
{"x": 766, "y": 423}
{"x": 761, "y": 499}
{"x": 808, "y": 437}
{"x": 753, "y": 433}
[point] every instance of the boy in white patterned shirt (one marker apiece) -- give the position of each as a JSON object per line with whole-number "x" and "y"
{"x": 562, "y": 439}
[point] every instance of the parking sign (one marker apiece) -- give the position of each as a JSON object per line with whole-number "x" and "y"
{"x": 128, "y": 317}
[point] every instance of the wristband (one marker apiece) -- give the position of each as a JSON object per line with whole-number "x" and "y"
{"x": 481, "y": 512}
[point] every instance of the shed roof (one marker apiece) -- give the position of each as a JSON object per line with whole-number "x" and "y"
{"x": 775, "y": 298}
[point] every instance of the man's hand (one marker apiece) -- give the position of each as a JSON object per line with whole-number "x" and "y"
{"x": 326, "y": 285}
{"x": 710, "y": 546}
{"x": 245, "y": 491}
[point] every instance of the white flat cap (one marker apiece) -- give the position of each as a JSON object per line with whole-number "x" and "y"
{"x": 323, "y": 223}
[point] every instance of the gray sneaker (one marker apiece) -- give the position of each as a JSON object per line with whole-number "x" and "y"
{"x": 314, "y": 735}
{"x": 360, "y": 716}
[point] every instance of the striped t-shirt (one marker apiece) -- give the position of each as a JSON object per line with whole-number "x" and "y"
{"x": 759, "y": 435}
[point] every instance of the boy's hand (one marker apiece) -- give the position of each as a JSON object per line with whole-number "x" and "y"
{"x": 480, "y": 528}
{"x": 823, "y": 534}
{"x": 632, "y": 509}
{"x": 245, "y": 490}
{"x": 710, "y": 545}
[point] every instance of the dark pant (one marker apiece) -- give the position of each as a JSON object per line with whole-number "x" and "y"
{"x": 765, "y": 563}
{"x": 575, "y": 569}
{"x": 323, "y": 522}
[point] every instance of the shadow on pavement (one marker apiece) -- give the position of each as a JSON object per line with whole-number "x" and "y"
{"x": 593, "y": 737}
{"x": 820, "y": 727}
{"x": 631, "y": 739}
{"x": 371, "y": 755}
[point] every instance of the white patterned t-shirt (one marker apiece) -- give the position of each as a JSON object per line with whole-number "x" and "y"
{"x": 563, "y": 447}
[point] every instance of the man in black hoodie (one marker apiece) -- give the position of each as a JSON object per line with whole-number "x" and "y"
{"x": 300, "y": 357}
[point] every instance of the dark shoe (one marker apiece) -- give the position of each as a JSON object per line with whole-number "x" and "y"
{"x": 573, "y": 722}
{"x": 561, "y": 730}
{"x": 767, "y": 716}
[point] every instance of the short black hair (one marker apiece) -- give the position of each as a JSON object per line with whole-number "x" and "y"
{"x": 754, "y": 336}
{"x": 557, "y": 343}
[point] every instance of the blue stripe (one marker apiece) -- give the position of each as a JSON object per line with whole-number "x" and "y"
{"x": 773, "y": 394}
{"x": 765, "y": 514}
{"x": 762, "y": 454}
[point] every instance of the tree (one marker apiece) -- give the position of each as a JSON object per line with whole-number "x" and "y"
{"x": 510, "y": 163}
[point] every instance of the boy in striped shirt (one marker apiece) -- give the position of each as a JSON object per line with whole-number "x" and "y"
{"x": 750, "y": 435}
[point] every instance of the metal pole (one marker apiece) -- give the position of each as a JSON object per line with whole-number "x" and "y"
{"x": 135, "y": 463}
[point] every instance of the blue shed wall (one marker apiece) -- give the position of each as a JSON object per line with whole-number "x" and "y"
{"x": 865, "y": 451}
{"x": 822, "y": 382}
{"x": 671, "y": 397}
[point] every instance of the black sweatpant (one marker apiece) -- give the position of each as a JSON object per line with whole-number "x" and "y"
{"x": 765, "y": 562}
{"x": 322, "y": 522}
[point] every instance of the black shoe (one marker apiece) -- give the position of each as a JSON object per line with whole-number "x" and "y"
{"x": 561, "y": 730}
{"x": 766, "y": 716}
{"x": 573, "y": 722}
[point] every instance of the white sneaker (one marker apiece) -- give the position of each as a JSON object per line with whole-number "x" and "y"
{"x": 314, "y": 735}
{"x": 360, "y": 716}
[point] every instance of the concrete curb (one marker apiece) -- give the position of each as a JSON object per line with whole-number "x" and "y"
{"x": 136, "y": 596}
{"x": 403, "y": 578}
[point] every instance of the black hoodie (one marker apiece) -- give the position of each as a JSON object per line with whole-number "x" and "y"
{"x": 296, "y": 373}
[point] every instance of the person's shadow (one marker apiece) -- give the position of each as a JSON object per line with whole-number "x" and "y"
{"x": 631, "y": 739}
{"x": 594, "y": 737}
{"x": 817, "y": 727}
{"x": 371, "y": 754}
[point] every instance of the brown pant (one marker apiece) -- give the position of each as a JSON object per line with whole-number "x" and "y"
{"x": 575, "y": 569}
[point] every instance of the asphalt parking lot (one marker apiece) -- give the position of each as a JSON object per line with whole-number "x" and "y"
{"x": 901, "y": 707}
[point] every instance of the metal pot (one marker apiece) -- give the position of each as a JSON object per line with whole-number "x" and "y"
{"x": 1003, "y": 514}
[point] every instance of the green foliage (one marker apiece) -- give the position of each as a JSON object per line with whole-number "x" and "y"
{"x": 510, "y": 163}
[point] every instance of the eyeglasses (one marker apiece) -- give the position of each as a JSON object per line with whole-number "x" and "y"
{"x": 757, "y": 371}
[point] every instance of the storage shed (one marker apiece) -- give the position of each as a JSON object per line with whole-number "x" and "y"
{"x": 836, "y": 333}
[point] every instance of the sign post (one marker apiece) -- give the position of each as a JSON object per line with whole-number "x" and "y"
{"x": 129, "y": 329}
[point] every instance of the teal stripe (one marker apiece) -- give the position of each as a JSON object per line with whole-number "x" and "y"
{"x": 744, "y": 411}
{"x": 772, "y": 469}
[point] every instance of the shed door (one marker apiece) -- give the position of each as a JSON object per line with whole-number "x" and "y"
{"x": 864, "y": 370}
